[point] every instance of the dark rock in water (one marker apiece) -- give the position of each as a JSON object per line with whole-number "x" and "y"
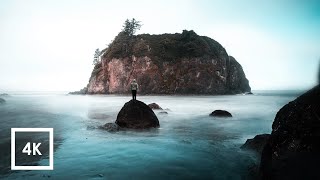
{"x": 154, "y": 106}
{"x": 137, "y": 115}
{"x": 4, "y": 95}
{"x": 220, "y": 113}
{"x": 293, "y": 149}
{"x": 163, "y": 112}
{"x": 111, "y": 127}
{"x": 248, "y": 93}
{"x": 257, "y": 143}
{"x": 2, "y": 101}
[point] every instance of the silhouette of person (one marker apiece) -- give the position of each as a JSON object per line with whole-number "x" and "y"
{"x": 134, "y": 88}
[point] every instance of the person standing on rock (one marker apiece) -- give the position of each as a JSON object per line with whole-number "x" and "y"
{"x": 134, "y": 88}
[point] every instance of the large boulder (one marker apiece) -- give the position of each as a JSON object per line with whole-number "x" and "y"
{"x": 137, "y": 115}
{"x": 293, "y": 149}
{"x": 220, "y": 113}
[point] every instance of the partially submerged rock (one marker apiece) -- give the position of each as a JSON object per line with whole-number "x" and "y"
{"x": 111, "y": 127}
{"x": 257, "y": 143}
{"x": 163, "y": 112}
{"x": 220, "y": 113}
{"x": 154, "y": 106}
{"x": 137, "y": 115}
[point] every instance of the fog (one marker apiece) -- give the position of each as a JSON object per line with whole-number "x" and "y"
{"x": 189, "y": 143}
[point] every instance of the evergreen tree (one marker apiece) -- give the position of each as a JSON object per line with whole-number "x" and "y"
{"x": 96, "y": 56}
{"x": 131, "y": 26}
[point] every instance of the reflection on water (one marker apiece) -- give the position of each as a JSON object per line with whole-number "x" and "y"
{"x": 189, "y": 143}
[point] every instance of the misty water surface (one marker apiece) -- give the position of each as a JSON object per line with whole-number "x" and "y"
{"x": 189, "y": 144}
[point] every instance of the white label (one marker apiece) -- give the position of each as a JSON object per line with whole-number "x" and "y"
{"x": 35, "y": 150}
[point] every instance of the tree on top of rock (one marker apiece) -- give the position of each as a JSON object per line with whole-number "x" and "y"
{"x": 131, "y": 26}
{"x": 96, "y": 56}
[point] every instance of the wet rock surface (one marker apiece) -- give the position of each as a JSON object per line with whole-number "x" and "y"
{"x": 220, "y": 113}
{"x": 137, "y": 115}
{"x": 257, "y": 143}
{"x": 111, "y": 127}
{"x": 154, "y": 106}
{"x": 293, "y": 149}
{"x": 97, "y": 115}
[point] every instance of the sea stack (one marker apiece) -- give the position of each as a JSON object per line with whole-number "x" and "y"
{"x": 180, "y": 63}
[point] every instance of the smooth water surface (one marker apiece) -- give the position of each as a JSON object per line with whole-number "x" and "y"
{"x": 188, "y": 145}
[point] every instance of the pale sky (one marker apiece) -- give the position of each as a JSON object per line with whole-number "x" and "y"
{"x": 49, "y": 45}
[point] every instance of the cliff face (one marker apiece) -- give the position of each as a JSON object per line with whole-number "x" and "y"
{"x": 292, "y": 151}
{"x": 166, "y": 64}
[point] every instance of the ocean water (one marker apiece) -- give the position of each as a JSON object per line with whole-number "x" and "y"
{"x": 188, "y": 145}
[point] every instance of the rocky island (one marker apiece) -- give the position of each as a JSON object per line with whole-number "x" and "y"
{"x": 180, "y": 63}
